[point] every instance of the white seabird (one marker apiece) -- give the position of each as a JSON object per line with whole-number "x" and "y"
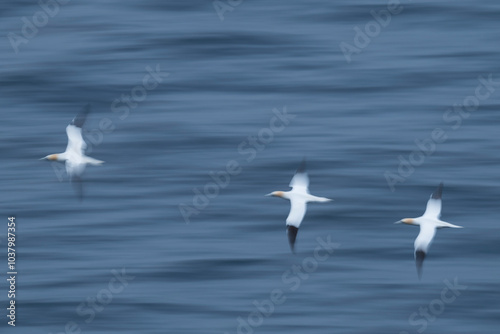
{"x": 74, "y": 156}
{"x": 428, "y": 223}
{"x": 299, "y": 196}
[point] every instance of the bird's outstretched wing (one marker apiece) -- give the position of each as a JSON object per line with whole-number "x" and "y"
{"x": 80, "y": 118}
{"x": 297, "y": 212}
{"x": 422, "y": 243}
{"x": 425, "y": 237}
{"x": 298, "y": 208}
{"x": 434, "y": 204}
{"x": 419, "y": 262}
{"x": 300, "y": 180}
{"x": 75, "y": 166}
{"x": 76, "y": 143}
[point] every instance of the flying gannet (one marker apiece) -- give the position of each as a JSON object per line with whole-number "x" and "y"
{"x": 74, "y": 156}
{"x": 299, "y": 196}
{"x": 428, "y": 223}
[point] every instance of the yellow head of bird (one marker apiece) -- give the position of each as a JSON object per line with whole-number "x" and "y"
{"x": 51, "y": 157}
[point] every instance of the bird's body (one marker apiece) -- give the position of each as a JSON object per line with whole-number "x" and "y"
{"x": 299, "y": 196}
{"x": 429, "y": 222}
{"x": 74, "y": 157}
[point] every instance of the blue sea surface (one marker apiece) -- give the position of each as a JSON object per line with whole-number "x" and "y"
{"x": 198, "y": 112}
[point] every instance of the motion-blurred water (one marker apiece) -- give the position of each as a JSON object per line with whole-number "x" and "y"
{"x": 352, "y": 122}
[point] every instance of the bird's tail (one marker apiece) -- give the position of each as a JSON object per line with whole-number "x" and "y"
{"x": 93, "y": 162}
{"x": 324, "y": 200}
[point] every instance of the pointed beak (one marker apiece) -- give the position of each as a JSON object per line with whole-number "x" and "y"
{"x": 270, "y": 194}
{"x": 44, "y": 158}
{"x": 399, "y": 222}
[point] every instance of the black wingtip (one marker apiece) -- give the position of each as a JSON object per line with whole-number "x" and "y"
{"x": 419, "y": 261}
{"x": 80, "y": 118}
{"x": 291, "y": 231}
{"x": 438, "y": 194}
{"x": 302, "y": 167}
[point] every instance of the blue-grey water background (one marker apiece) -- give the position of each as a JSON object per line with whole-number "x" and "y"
{"x": 353, "y": 121}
